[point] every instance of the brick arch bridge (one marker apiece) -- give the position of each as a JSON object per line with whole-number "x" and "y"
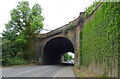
{"x": 51, "y": 46}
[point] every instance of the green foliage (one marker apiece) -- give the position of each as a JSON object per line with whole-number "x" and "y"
{"x": 7, "y": 51}
{"x": 91, "y": 9}
{"x": 103, "y": 75}
{"x": 67, "y": 57}
{"x": 9, "y": 54}
{"x": 26, "y": 21}
{"x": 29, "y": 54}
{"x": 20, "y": 43}
{"x": 70, "y": 57}
{"x": 100, "y": 36}
{"x": 65, "y": 31}
{"x": 81, "y": 45}
{"x": 0, "y": 39}
{"x": 71, "y": 26}
{"x": 25, "y": 24}
{"x": 16, "y": 61}
{"x": 9, "y": 34}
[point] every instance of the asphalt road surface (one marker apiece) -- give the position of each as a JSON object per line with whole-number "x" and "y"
{"x": 39, "y": 71}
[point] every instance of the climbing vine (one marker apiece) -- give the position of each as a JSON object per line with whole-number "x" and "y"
{"x": 71, "y": 26}
{"x": 91, "y": 9}
{"x": 100, "y": 36}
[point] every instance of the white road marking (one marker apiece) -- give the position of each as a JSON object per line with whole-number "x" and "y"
{"x": 43, "y": 76}
{"x": 65, "y": 72}
{"x": 58, "y": 72}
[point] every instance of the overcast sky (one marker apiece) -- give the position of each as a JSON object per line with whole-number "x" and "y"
{"x": 56, "y": 12}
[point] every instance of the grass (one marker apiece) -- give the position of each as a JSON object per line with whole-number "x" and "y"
{"x": 84, "y": 72}
{"x": 103, "y": 75}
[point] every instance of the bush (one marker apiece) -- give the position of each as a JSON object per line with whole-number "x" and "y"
{"x": 8, "y": 56}
{"x": 16, "y": 61}
{"x": 7, "y": 51}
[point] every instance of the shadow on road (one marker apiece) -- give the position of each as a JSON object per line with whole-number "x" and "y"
{"x": 67, "y": 64}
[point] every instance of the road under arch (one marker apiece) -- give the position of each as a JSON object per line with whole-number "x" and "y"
{"x": 55, "y": 48}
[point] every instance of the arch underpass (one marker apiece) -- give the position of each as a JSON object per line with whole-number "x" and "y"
{"x": 52, "y": 45}
{"x": 55, "y": 48}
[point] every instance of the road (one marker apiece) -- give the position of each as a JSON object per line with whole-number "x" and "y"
{"x": 39, "y": 71}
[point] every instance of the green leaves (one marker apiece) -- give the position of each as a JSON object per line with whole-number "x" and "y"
{"x": 100, "y": 36}
{"x": 25, "y": 19}
{"x": 36, "y": 10}
{"x": 25, "y": 24}
{"x": 67, "y": 57}
{"x": 91, "y": 9}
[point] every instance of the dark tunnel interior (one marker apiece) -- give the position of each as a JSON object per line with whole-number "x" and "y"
{"x": 55, "y": 48}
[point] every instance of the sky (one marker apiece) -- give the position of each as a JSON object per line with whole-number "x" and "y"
{"x": 56, "y": 12}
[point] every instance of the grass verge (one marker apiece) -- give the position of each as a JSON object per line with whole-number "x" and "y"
{"x": 84, "y": 72}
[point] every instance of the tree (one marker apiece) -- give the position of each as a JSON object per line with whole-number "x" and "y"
{"x": 26, "y": 21}
{"x": 70, "y": 57}
{"x": 66, "y": 57}
{"x": 25, "y": 24}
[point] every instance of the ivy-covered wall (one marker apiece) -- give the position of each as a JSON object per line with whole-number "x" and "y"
{"x": 99, "y": 38}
